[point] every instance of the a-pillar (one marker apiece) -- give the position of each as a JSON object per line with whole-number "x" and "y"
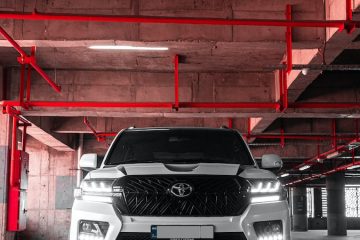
{"x": 5, "y": 130}
{"x": 299, "y": 209}
{"x": 336, "y": 220}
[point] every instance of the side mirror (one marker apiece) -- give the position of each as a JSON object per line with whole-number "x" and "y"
{"x": 88, "y": 161}
{"x": 271, "y": 161}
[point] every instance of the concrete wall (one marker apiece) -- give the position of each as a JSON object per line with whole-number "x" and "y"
{"x": 50, "y": 194}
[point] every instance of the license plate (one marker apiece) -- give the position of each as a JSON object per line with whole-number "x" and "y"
{"x": 182, "y": 232}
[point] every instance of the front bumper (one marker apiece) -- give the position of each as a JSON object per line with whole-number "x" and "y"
{"x": 84, "y": 210}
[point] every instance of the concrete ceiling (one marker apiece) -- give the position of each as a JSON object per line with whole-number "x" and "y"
{"x": 217, "y": 64}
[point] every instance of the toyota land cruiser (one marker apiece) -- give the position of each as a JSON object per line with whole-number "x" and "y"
{"x": 179, "y": 183}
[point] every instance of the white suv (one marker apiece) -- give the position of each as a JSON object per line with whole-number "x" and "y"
{"x": 179, "y": 183}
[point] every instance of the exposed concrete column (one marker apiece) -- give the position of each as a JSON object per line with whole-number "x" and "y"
{"x": 299, "y": 209}
{"x": 336, "y": 220}
{"x": 317, "y": 203}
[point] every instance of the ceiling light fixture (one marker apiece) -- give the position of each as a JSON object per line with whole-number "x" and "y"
{"x": 353, "y": 167}
{"x": 332, "y": 155}
{"x": 304, "y": 167}
{"x": 123, "y": 47}
{"x": 284, "y": 175}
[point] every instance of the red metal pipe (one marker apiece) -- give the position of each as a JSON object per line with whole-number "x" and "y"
{"x": 176, "y": 83}
{"x": 45, "y": 76}
{"x": 22, "y": 82}
{"x": 230, "y": 123}
{"x": 102, "y": 104}
{"x": 30, "y": 60}
{"x": 173, "y": 20}
{"x": 288, "y": 40}
{"x": 267, "y": 105}
{"x": 349, "y": 10}
{"x": 245, "y": 105}
{"x": 12, "y": 42}
{"x": 28, "y": 84}
{"x": 285, "y": 91}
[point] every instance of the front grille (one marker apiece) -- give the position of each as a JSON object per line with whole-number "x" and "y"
{"x": 210, "y": 196}
{"x": 147, "y": 236}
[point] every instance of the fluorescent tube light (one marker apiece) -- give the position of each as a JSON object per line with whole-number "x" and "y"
{"x": 284, "y": 175}
{"x": 332, "y": 155}
{"x": 353, "y": 167}
{"x": 304, "y": 167}
{"x": 123, "y": 47}
{"x": 262, "y": 199}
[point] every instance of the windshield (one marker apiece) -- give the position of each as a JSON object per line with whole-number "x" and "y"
{"x": 179, "y": 146}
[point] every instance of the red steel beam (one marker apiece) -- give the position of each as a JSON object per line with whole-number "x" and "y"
{"x": 35, "y": 16}
{"x": 245, "y": 105}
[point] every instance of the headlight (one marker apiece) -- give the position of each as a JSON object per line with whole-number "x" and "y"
{"x": 266, "y": 191}
{"x": 95, "y": 190}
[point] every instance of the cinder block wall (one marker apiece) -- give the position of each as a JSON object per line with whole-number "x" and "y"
{"x": 52, "y": 178}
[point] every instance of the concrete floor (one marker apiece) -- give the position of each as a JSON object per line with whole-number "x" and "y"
{"x": 322, "y": 234}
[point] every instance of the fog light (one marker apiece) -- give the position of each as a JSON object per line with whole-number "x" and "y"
{"x": 92, "y": 230}
{"x": 269, "y": 230}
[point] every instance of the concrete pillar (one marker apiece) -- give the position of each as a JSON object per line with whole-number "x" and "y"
{"x": 299, "y": 209}
{"x": 317, "y": 203}
{"x": 336, "y": 220}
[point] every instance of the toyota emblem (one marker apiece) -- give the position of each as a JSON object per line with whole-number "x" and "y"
{"x": 181, "y": 189}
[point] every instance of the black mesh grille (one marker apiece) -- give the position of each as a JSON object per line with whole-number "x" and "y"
{"x": 147, "y": 236}
{"x": 211, "y": 196}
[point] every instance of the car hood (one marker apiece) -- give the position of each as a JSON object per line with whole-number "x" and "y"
{"x": 181, "y": 169}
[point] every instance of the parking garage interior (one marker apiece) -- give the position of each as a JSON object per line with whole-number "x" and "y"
{"x": 284, "y": 73}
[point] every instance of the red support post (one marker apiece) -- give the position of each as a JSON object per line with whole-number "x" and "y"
{"x": 349, "y": 10}
{"x": 176, "y": 83}
{"x": 28, "y": 82}
{"x": 285, "y": 91}
{"x": 281, "y": 88}
{"x": 14, "y": 180}
{"x": 230, "y": 123}
{"x": 22, "y": 82}
{"x": 288, "y": 40}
